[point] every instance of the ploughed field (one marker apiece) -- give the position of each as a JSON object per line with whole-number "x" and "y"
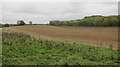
{"x": 98, "y": 36}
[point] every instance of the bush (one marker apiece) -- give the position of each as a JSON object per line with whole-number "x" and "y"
{"x": 6, "y": 25}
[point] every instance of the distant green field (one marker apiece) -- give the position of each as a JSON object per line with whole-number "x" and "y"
{"x": 21, "y": 49}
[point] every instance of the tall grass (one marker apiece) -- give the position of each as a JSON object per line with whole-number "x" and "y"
{"x": 21, "y": 49}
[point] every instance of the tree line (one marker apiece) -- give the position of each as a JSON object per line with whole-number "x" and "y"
{"x": 95, "y": 20}
{"x": 19, "y": 23}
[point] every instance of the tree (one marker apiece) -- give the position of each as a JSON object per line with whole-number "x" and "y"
{"x": 30, "y": 22}
{"x": 6, "y": 25}
{"x": 106, "y": 22}
{"x": 21, "y": 22}
{"x": 95, "y": 20}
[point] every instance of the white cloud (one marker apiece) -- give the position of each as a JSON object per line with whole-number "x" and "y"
{"x": 43, "y": 12}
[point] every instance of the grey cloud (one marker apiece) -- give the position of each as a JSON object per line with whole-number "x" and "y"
{"x": 43, "y": 12}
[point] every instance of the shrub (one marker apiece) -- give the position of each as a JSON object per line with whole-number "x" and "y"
{"x": 6, "y": 25}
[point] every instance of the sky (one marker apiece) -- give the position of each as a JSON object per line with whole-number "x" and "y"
{"x": 44, "y": 11}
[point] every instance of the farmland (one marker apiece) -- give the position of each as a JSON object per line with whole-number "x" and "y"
{"x": 59, "y": 45}
{"x": 21, "y": 49}
{"x": 59, "y": 33}
{"x": 98, "y": 36}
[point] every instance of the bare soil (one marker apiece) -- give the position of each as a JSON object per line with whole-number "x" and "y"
{"x": 98, "y": 36}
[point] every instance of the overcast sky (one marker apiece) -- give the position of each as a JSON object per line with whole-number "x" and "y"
{"x": 43, "y": 12}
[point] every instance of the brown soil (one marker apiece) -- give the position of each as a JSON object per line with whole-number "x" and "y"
{"x": 98, "y": 36}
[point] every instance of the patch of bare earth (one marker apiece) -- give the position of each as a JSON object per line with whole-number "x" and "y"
{"x": 99, "y": 36}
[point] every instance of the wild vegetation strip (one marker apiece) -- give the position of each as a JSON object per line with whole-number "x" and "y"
{"x": 21, "y": 49}
{"x": 99, "y": 36}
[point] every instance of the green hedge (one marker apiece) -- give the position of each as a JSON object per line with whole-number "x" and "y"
{"x": 95, "y": 20}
